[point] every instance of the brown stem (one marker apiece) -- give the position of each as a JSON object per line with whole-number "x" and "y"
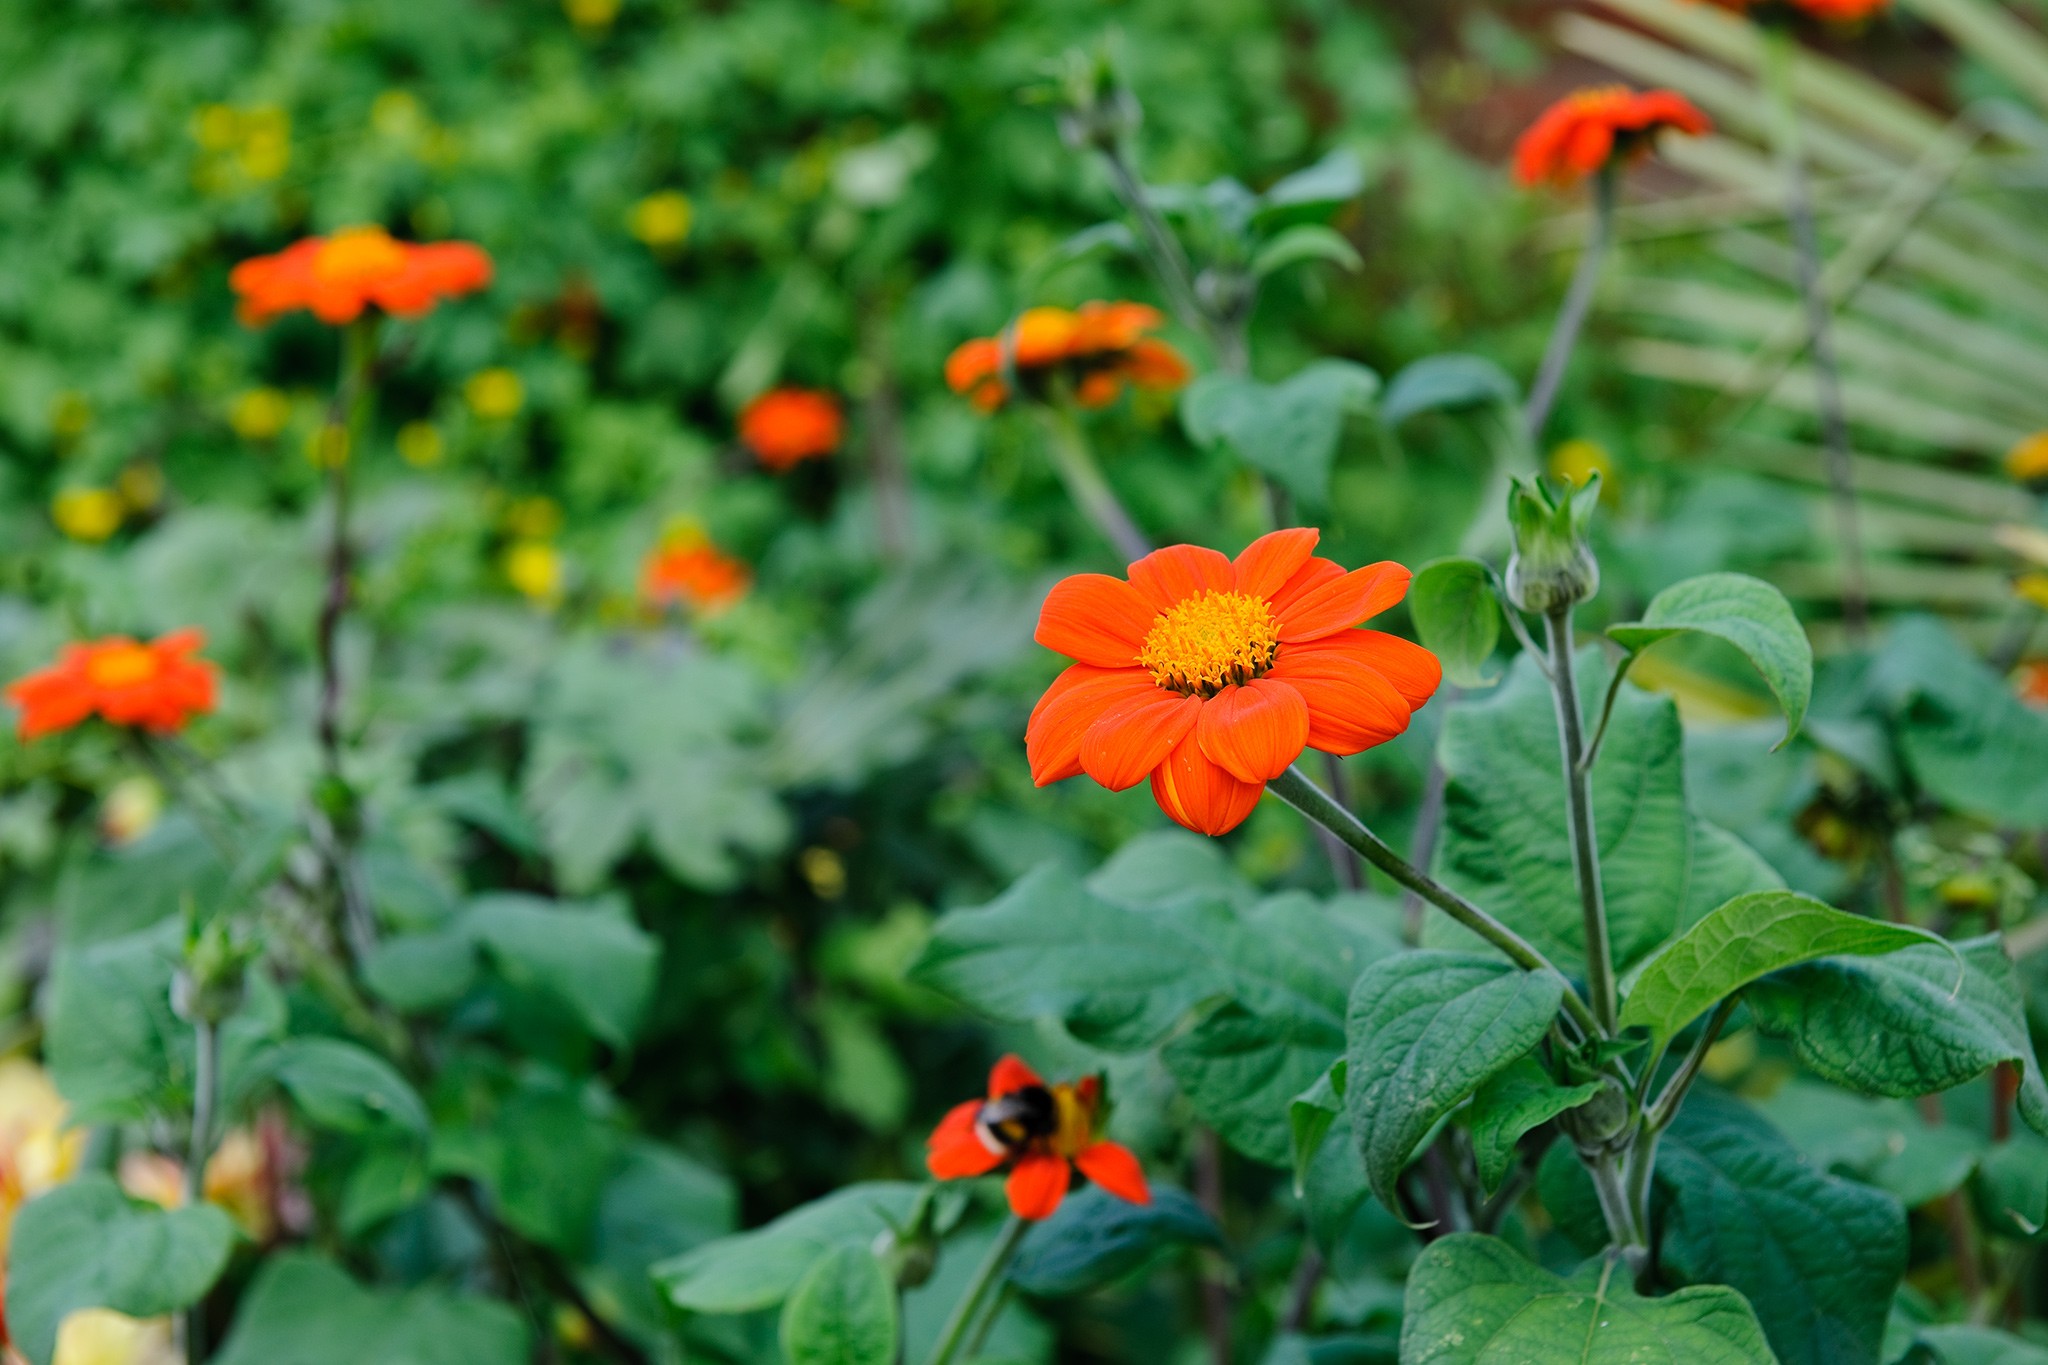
{"x": 1301, "y": 1290}
{"x": 1209, "y": 1194}
{"x": 884, "y": 413}
{"x": 1345, "y": 865}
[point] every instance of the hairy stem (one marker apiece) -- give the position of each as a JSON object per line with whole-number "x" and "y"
{"x": 198, "y": 1150}
{"x": 1578, "y": 303}
{"x": 1164, "y": 255}
{"x": 1666, "y": 1108}
{"x": 1087, "y": 487}
{"x": 1621, "y": 1209}
{"x": 1578, "y": 796}
{"x": 1299, "y": 791}
{"x": 985, "y": 1278}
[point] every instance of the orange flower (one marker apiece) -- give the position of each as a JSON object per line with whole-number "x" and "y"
{"x": 1834, "y": 11}
{"x": 2031, "y": 682}
{"x": 691, "y": 570}
{"x": 1098, "y": 349}
{"x": 337, "y": 277}
{"x": 1213, "y": 675}
{"x": 785, "y": 426}
{"x": 158, "y": 686}
{"x": 1045, "y": 1132}
{"x": 1589, "y": 130}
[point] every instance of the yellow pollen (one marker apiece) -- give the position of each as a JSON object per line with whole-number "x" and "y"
{"x": 121, "y": 666}
{"x": 363, "y": 253}
{"x": 1076, "y": 1126}
{"x": 1208, "y": 642}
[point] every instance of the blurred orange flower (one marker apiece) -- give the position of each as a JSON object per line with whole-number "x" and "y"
{"x": 1099, "y": 348}
{"x": 337, "y": 277}
{"x": 784, "y": 427}
{"x": 1213, "y": 675}
{"x": 1588, "y": 130}
{"x": 1043, "y": 1130}
{"x": 688, "y": 569}
{"x": 2031, "y": 681}
{"x": 156, "y": 686}
{"x": 1834, "y": 11}
{"x": 2027, "y": 461}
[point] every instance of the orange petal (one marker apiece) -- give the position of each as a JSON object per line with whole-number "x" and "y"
{"x": 1414, "y": 671}
{"x": 1255, "y": 730}
{"x": 1199, "y": 793}
{"x": 1037, "y": 1186}
{"x": 1095, "y": 619}
{"x": 1351, "y": 707}
{"x": 1178, "y": 572}
{"x": 1272, "y": 559}
{"x": 1076, "y": 700}
{"x": 1009, "y": 1075}
{"x": 955, "y": 1151}
{"x": 1343, "y": 602}
{"x": 1306, "y": 579}
{"x": 1112, "y": 1166}
{"x": 1130, "y": 741}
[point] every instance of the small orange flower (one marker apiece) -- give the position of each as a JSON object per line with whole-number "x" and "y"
{"x": 1098, "y": 349}
{"x": 1589, "y": 130}
{"x": 690, "y": 570}
{"x": 784, "y": 427}
{"x": 2031, "y": 682}
{"x": 1832, "y": 11}
{"x": 156, "y": 686}
{"x": 1045, "y": 1131}
{"x": 337, "y": 277}
{"x": 1213, "y": 675}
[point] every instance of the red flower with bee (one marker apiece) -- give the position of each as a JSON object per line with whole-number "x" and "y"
{"x": 1044, "y": 1133}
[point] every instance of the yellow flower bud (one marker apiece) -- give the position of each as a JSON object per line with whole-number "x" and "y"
{"x": 420, "y": 444}
{"x": 495, "y": 394}
{"x": 88, "y": 514}
{"x": 534, "y": 568}
{"x": 662, "y": 219}
{"x": 591, "y": 14}
{"x": 259, "y": 414}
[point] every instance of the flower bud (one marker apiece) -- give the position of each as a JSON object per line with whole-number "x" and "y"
{"x": 208, "y": 986}
{"x": 1600, "y": 1120}
{"x": 1551, "y": 567}
{"x": 1098, "y": 111}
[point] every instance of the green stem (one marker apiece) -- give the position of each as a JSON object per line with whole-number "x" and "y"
{"x": 1086, "y": 485}
{"x": 205, "y": 1097}
{"x": 1579, "y": 807}
{"x": 1612, "y": 1182}
{"x": 1666, "y": 1108}
{"x": 1592, "y": 754}
{"x": 985, "y": 1278}
{"x": 1578, "y": 303}
{"x": 1298, "y": 790}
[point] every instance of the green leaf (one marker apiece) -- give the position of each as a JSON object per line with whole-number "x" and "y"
{"x": 1304, "y": 242}
{"x": 1964, "y": 735}
{"x": 1900, "y": 1025}
{"x": 656, "y": 1205}
{"x": 88, "y": 1245}
{"x": 1336, "y": 179}
{"x": 758, "y": 1269}
{"x": 1443, "y": 383}
{"x": 1746, "y": 939}
{"x": 1096, "y": 1238}
{"x": 1882, "y": 1142}
{"x": 1425, "y": 1030}
{"x": 1817, "y": 1257}
{"x": 342, "y": 1086}
{"x": 1473, "y": 1300}
{"x": 424, "y": 971}
{"x": 843, "y": 1312}
{"x": 1288, "y": 430}
{"x": 1959, "y": 1343}
{"x": 594, "y": 959}
{"x": 1520, "y": 1098}
{"x": 1457, "y": 617}
{"x": 1746, "y": 612}
{"x": 304, "y": 1310}
{"x": 1310, "y": 1116}
{"x": 543, "y": 1149}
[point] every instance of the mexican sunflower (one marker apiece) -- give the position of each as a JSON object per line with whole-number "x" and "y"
{"x": 1834, "y": 11}
{"x": 1212, "y": 675}
{"x": 2031, "y": 682}
{"x": 1589, "y": 130}
{"x": 1044, "y": 1131}
{"x": 156, "y": 686}
{"x": 337, "y": 277}
{"x": 692, "y": 571}
{"x": 1098, "y": 348}
{"x": 784, "y": 427}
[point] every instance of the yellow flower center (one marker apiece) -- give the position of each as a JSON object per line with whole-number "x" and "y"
{"x": 1209, "y": 642}
{"x": 121, "y": 666}
{"x": 363, "y": 253}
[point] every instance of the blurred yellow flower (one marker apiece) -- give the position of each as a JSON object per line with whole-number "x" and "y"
{"x": 36, "y": 1150}
{"x": 130, "y": 809}
{"x": 397, "y": 114}
{"x": 216, "y": 126}
{"x": 495, "y": 394}
{"x": 1578, "y": 460}
{"x": 88, "y": 514}
{"x": 141, "y": 486}
{"x": 100, "y": 1336}
{"x": 535, "y": 518}
{"x": 266, "y": 149}
{"x": 2028, "y": 459}
{"x": 591, "y": 13}
{"x": 259, "y": 414}
{"x": 327, "y": 446}
{"x": 534, "y": 568}
{"x": 825, "y": 871}
{"x": 237, "y": 1180}
{"x": 420, "y": 444}
{"x": 2032, "y": 587}
{"x": 663, "y": 218}
{"x": 70, "y": 415}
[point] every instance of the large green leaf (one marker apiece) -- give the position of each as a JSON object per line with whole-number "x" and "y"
{"x": 1096, "y": 1238}
{"x": 88, "y": 1245}
{"x": 1902, "y": 1026}
{"x": 1817, "y": 1257}
{"x": 1747, "y": 613}
{"x": 1441, "y": 383}
{"x": 1882, "y": 1142}
{"x": 304, "y": 1310}
{"x": 343, "y": 1086}
{"x": 1964, "y": 735}
{"x": 657, "y": 1204}
{"x": 842, "y": 1312}
{"x": 758, "y": 1269}
{"x": 1960, "y": 1343}
{"x": 543, "y": 1149}
{"x": 1426, "y": 1029}
{"x": 592, "y": 958}
{"x": 1514, "y": 1101}
{"x": 1473, "y": 1300}
{"x": 1746, "y": 939}
{"x": 1288, "y": 431}
{"x": 1457, "y": 618}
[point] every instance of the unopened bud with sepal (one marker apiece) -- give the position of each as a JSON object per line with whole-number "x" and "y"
{"x": 1551, "y": 567}
{"x": 208, "y": 986}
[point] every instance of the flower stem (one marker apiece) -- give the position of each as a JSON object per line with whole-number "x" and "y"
{"x": 205, "y": 1096}
{"x": 985, "y": 1278}
{"x": 1780, "y": 60}
{"x": 1298, "y": 790}
{"x": 1578, "y": 797}
{"x": 1578, "y": 303}
{"x": 1086, "y": 485}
